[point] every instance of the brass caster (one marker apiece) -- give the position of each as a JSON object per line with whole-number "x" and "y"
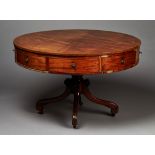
{"x": 74, "y": 121}
{"x": 74, "y": 126}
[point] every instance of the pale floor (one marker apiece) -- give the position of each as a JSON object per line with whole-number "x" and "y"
{"x": 136, "y": 115}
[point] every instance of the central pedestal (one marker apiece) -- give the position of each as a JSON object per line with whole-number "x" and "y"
{"x": 76, "y": 86}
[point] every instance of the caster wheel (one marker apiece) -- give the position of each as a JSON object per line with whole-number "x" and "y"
{"x": 114, "y": 111}
{"x": 74, "y": 121}
{"x": 74, "y": 126}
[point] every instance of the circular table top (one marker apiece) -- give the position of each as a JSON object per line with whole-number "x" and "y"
{"x": 76, "y": 42}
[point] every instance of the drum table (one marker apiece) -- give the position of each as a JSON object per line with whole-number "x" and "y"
{"x": 77, "y": 52}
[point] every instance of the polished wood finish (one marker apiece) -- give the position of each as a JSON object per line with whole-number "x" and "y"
{"x": 118, "y": 62}
{"x": 41, "y": 103}
{"x": 77, "y": 52}
{"x": 77, "y": 65}
{"x": 74, "y": 65}
{"x": 76, "y": 86}
{"x": 77, "y": 42}
{"x": 30, "y": 60}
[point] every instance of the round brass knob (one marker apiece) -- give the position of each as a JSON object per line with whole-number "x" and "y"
{"x": 122, "y": 61}
{"x": 26, "y": 59}
{"x": 73, "y": 65}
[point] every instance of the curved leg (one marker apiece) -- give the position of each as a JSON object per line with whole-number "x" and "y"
{"x": 40, "y": 104}
{"x": 113, "y": 106}
{"x": 77, "y": 86}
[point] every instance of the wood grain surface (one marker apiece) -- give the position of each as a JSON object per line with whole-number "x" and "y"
{"x": 77, "y": 42}
{"x": 77, "y": 51}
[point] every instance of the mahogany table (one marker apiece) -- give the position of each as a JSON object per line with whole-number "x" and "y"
{"x": 77, "y": 53}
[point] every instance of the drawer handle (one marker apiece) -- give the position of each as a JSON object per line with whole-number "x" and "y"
{"x": 26, "y": 59}
{"x": 122, "y": 61}
{"x": 73, "y": 65}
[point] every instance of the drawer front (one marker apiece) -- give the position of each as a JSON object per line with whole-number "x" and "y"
{"x": 119, "y": 62}
{"x": 71, "y": 65}
{"x": 30, "y": 60}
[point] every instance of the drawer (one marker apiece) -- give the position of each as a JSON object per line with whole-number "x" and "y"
{"x": 119, "y": 62}
{"x": 72, "y": 65}
{"x": 30, "y": 60}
